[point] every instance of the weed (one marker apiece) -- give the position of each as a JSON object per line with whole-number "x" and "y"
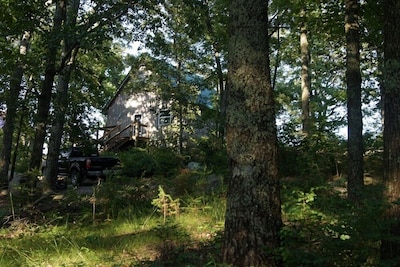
{"x": 165, "y": 204}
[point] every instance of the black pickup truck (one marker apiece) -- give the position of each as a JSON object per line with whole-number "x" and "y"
{"x": 79, "y": 166}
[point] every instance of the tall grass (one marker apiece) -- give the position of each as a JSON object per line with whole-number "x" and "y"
{"x": 134, "y": 238}
{"x": 321, "y": 227}
{"x": 82, "y": 246}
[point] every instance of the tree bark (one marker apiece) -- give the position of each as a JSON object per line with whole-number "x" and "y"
{"x": 12, "y": 105}
{"x": 70, "y": 51}
{"x": 253, "y": 213}
{"x": 44, "y": 98}
{"x": 61, "y": 104}
{"x": 355, "y": 171}
{"x": 391, "y": 134}
{"x": 305, "y": 80}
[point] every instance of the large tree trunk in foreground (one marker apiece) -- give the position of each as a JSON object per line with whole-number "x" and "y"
{"x": 253, "y": 215}
{"x": 391, "y": 135}
{"x": 355, "y": 173}
{"x": 12, "y": 104}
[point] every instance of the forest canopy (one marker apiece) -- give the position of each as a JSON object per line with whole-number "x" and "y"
{"x": 305, "y": 89}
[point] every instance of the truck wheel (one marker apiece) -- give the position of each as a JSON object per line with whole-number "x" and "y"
{"x": 61, "y": 184}
{"x": 75, "y": 178}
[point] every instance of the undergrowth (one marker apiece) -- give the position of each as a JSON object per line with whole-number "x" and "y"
{"x": 177, "y": 219}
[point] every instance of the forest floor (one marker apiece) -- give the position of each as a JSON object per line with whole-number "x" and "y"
{"x": 35, "y": 227}
{"x": 66, "y": 228}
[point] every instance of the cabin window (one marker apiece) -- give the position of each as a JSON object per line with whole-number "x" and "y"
{"x": 138, "y": 117}
{"x": 164, "y": 117}
{"x": 138, "y": 122}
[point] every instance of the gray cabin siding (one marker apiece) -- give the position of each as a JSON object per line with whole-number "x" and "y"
{"x": 126, "y": 107}
{"x": 133, "y": 100}
{"x": 125, "y": 110}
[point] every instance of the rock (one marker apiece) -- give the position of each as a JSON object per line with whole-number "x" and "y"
{"x": 194, "y": 166}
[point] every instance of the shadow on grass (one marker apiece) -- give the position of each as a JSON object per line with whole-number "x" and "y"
{"x": 187, "y": 253}
{"x": 324, "y": 228}
{"x": 165, "y": 245}
{"x": 81, "y": 238}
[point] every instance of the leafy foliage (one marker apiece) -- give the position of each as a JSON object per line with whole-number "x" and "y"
{"x": 137, "y": 163}
{"x": 148, "y": 162}
{"x": 324, "y": 228}
{"x": 313, "y": 158}
{"x": 321, "y": 227}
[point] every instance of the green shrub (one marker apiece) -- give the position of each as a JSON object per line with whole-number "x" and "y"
{"x": 322, "y": 228}
{"x": 137, "y": 163}
{"x": 213, "y": 153}
{"x": 319, "y": 155}
{"x": 184, "y": 182}
{"x": 120, "y": 193}
{"x": 168, "y": 162}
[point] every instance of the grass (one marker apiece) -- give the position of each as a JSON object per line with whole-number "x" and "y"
{"x": 111, "y": 243}
{"x": 136, "y": 237}
{"x": 321, "y": 228}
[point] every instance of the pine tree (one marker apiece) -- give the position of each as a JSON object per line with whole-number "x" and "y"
{"x": 253, "y": 214}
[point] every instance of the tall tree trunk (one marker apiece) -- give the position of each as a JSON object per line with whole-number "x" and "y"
{"x": 70, "y": 51}
{"x": 12, "y": 104}
{"x": 391, "y": 134}
{"x": 16, "y": 147}
{"x": 305, "y": 80}
{"x": 44, "y": 98}
{"x": 220, "y": 76}
{"x": 253, "y": 213}
{"x": 181, "y": 104}
{"x": 56, "y": 131}
{"x": 355, "y": 173}
{"x": 23, "y": 113}
{"x": 222, "y": 94}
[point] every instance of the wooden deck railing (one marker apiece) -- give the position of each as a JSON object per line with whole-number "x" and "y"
{"x": 116, "y": 137}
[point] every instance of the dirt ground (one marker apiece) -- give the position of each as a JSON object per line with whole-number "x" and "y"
{"x": 19, "y": 201}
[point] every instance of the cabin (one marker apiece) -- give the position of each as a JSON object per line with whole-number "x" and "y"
{"x": 133, "y": 117}
{"x": 140, "y": 113}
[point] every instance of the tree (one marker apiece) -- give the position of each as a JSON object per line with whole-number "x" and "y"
{"x": 314, "y": 104}
{"x": 18, "y": 23}
{"x": 216, "y": 38}
{"x": 355, "y": 174}
{"x": 305, "y": 78}
{"x": 391, "y": 133}
{"x": 12, "y": 104}
{"x": 253, "y": 213}
{"x": 44, "y": 99}
{"x": 69, "y": 53}
{"x": 101, "y": 22}
{"x": 184, "y": 42}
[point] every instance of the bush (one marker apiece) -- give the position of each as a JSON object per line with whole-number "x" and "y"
{"x": 167, "y": 161}
{"x": 212, "y": 152}
{"x": 140, "y": 162}
{"x": 137, "y": 163}
{"x": 118, "y": 194}
{"x": 319, "y": 155}
{"x": 324, "y": 229}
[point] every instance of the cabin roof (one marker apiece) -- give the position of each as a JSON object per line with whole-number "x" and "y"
{"x": 204, "y": 97}
{"x": 120, "y": 88}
